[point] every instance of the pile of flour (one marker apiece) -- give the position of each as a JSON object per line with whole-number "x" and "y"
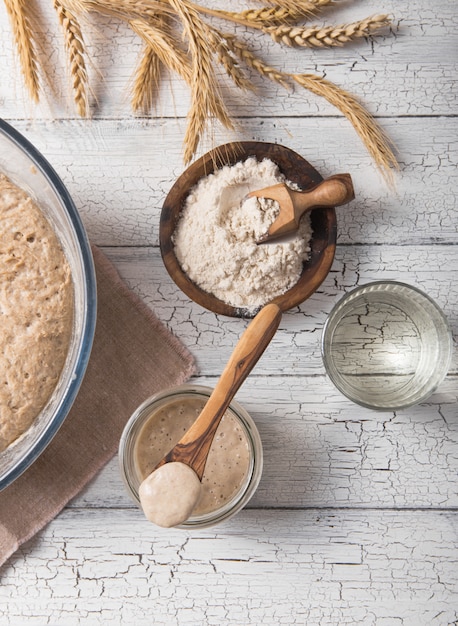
{"x": 215, "y": 239}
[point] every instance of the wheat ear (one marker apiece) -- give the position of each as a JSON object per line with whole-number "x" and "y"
{"x": 122, "y": 9}
{"x": 228, "y": 60}
{"x": 164, "y": 46}
{"x": 320, "y": 37}
{"x": 146, "y": 80}
{"x": 369, "y": 131}
{"x": 255, "y": 18}
{"x": 251, "y": 60}
{"x": 306, "y": 7}
{"x": 75, "y": 49}
{"x": 270, "y": 15}
{"x": 23, "y": 35}
{"x": 205, "y": 98}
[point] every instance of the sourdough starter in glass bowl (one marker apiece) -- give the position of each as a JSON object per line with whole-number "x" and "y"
{"x": 24, "y": 166}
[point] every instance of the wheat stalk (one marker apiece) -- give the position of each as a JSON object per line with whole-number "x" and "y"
{"x": 75, "y": 48}
{"x": 316, "y": 36}
{"x": 130, "y": 9}
{"x": 370, "y": 133}
{"x": 23, "y": 36}
{"x": 151, "y": 20}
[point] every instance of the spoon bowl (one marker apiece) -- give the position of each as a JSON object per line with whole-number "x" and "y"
{"x": 332, "y": 192}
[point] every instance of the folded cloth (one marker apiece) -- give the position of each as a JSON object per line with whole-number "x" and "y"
{"x": 133, "y": 356}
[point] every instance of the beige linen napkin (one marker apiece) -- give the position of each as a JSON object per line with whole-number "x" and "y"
{"x": 133, "y": 356}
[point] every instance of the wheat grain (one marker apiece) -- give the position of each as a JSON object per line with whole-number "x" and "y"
{"x": 23, "y": 35}
{"x": 375, "y": 140}
{"x": 75, "y": 49}
{"x": 317, "y": 36}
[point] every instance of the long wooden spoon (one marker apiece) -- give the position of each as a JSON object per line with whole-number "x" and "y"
{"x": 194, "y": 446}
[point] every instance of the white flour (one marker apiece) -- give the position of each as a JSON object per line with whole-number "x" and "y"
{"x": 215, "y": 243}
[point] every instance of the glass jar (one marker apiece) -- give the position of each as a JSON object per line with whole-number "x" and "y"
{"x": 386, "y": 345}
{"x": 129, "y": 438}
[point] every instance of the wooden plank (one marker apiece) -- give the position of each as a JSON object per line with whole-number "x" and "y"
{"x": 409, "y": 70}
{"x": 295, "y": 349}
{"x": 119, "y": 173}
{"x": 271, "y": 567}
{"x": 321, "y": 450}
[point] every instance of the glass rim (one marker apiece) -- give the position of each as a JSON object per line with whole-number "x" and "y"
{"x": 381, "y": 287}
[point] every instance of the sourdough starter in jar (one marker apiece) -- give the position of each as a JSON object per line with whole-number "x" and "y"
{"x": 228, "y": 462}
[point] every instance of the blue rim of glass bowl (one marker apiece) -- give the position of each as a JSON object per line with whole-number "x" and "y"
{"x": 85, "y": 343}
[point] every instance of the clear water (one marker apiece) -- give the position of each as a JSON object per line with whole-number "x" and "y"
{"x": 387, "y": 348}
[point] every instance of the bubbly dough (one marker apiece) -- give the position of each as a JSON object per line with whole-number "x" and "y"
{"x": 36, "y": 311}
{"x": 228, "y": 461}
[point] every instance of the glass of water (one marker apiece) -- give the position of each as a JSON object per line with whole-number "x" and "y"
{"x": 386, "y": 345}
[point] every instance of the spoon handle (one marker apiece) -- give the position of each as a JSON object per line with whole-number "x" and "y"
{"x": 193, "y": 447}
{"x": 331, "y": 192}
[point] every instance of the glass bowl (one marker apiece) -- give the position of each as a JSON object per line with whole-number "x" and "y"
{"x": 133, "y": 428}
{"x": 386, "y": 345}
{"x": 29, "y": 170}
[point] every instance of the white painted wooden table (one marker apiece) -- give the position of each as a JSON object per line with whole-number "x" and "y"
{"x": 355, "y": 520}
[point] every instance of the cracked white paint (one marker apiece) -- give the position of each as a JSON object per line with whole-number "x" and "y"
{"x": 295, "y": 348}
{"x": 355, "y": 518}
{"x": 285, "y": 567}
{"x": 119, "y": 173}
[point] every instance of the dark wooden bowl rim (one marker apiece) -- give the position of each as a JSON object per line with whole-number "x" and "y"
{"x": 297, "y": 170}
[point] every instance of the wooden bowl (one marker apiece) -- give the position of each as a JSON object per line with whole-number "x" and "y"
{"x": 297, "y": 170}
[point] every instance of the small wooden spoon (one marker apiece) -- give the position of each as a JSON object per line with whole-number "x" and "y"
{"x": 194, "y": 446}
{"x": 334, "y": 191}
